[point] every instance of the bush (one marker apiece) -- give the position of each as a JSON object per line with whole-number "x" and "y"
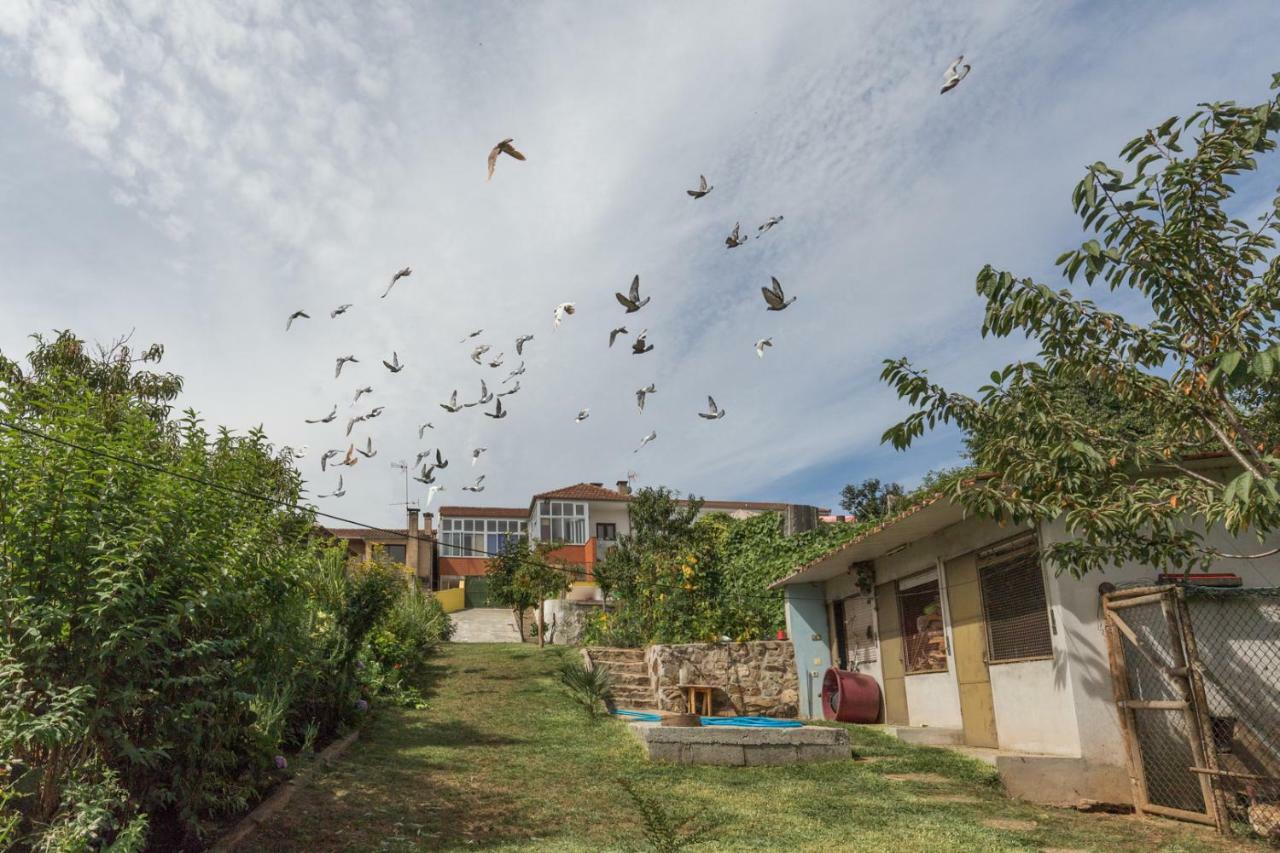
{"x": 590, "y": 688}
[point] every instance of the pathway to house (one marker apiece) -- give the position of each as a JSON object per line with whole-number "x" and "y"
{"x": 484, "y": 625}
{"x": 501, "y": 759}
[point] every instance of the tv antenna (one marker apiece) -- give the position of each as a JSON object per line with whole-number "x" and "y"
{"x": 404, "y": 469}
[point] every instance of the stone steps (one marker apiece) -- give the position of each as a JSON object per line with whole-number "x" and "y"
{"x": 631, "y": 685}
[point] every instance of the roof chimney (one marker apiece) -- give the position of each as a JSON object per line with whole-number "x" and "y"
{"x": 624, "y": 486}
{"x": 412, "y": 549}
{"x": 598, "y": 485}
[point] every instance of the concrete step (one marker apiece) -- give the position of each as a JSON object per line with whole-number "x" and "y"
{"x": 623, "y": 668}
{"x": 610, "y": 653}
{"x": 926, "y": 735}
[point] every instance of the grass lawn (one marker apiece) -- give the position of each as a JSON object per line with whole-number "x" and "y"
{"x": 502, "y": 760}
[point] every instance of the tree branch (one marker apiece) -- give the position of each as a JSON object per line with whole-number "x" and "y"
{"x": 1232, "y": 449}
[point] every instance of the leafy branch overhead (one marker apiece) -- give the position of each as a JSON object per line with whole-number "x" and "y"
{"x": 1139, "y": 430}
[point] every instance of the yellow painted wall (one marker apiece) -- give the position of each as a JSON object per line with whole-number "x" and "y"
{"x": 452, "y": 600}
{"x": 970, "y": 647}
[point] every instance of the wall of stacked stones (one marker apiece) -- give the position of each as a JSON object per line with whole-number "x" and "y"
{"x": 750, "y": 679}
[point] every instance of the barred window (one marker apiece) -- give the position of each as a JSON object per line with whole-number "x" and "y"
{"x": 923, "y": 641}
{"x": 1014, "y": 604}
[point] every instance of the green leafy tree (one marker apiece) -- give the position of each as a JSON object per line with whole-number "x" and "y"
{"x": 870, "y": 500}
{"x": 1193, "y": 371}
{"x": 522, "y": 577}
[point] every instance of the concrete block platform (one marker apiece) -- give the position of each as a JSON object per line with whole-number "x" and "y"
{"x": 741, "y": 746}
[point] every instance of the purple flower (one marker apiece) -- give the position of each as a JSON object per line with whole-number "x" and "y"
{"x": 281, "y": 762}
{"x": 362, "y": 705}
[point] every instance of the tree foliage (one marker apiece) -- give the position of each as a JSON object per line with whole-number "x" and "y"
{"x": 523, "y": 576}
{"x": 1105, "y": 428}
{"x": 870, "y": 500}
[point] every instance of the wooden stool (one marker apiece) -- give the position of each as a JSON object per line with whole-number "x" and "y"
{"x": 697, "y": 698}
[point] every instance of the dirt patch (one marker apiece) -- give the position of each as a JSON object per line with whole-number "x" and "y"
{"x": 929, "y": 778}
{"x": 1004, "y": 823}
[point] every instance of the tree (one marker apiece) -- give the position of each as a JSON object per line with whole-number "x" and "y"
{"x": 1195, "y": 367}
{"x": 870, "y": 500}
{"x": 522, "y": 578}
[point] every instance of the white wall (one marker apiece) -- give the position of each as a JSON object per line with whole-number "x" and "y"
{"x": 608, "y": 512}
{"x": 1077, "y": 612}
{"x": 1034, "y": 711}
{"x": 933, "y": 700}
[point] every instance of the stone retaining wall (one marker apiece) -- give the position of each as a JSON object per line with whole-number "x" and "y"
{"x": 751, "y": 679}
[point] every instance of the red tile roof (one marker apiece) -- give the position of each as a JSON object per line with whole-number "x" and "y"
{"x": 583, "y": 492}
{"x": 751, "y": 505}
{"x": 366, "y": 533}
{"x": 484, "y": 511}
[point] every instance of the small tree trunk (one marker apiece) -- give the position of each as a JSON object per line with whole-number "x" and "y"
{"x": 519, "y": 620}
{"x": 541, "y": 625}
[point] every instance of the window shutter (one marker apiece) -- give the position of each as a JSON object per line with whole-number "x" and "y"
{"x": 1015, "y": 607}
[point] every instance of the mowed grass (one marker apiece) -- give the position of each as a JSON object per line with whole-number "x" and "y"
{"x": 502, "y": 760}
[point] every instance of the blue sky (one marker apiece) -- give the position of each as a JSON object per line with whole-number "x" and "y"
{"x": 197, "y": 171}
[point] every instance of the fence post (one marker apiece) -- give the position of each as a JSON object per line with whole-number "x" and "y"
{"x": 1177, "y": 636}
{"x": 1120, "y": 687}
{"x": 1201, "y": 706}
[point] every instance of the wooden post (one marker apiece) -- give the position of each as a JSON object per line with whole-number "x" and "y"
{"x": 1200, "y": 704}
{"x": 1195, "y": 731}
{"x": 1120, "y": 687}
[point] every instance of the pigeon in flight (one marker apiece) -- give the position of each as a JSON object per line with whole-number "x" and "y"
{"x": 404, "y": 273}
{"x": 519, "y": 371}
{"x": 702, "y": 189}
{"x": 431, "y": 493}
{"x": 336, "y": 493}
{"x": 368, "y": 452}
{"x": 498, "y": 412}
{"x": 427, "y": 477}
{"x": 328, "y": 454}
{"x": 761, "y": 344}
{"x": 641, "y": 393}
{"x": 294, "y": 316}
{"x": 497, "y": 362}
{"x": 583, "y": 414}
{"x": 734, "y": 240}
{"x": 632, "y": 301}
{"x": 775, "y": 297}
{"x": 326, "y": 419}
{"x": 485, "y": 394}
{"x": 478, "y": 352}
{"x": 374, "y": 412}
{"x": 477, "y": 486}
{"x": 613, "y": 333}
{"x": 503, "y": 147}
{"x": 298, "y": 452}
{"x": 564, "y": 308}
{"x": 351, "y": 422}
{"x": 351, "y": 458}
{"x": 638, "y": 346}
{"x": 452, "y": 405}
{"x": 520, "y": 342}
{"x": 360, "y": 392}
{"x": 714, "y": 412}
{"x": 954, "y": 74}
{"x": 422, "y": 454}
{"x": 513, "y": 389}
{"x": 648, "y": 438}
{"x": 475, "y": 455}
{"x": 341, "y": 309}
{"x": 768, "y": 223}
{"x": 342, "y": 361}
{"x": 441, "y": 462}
{"x": 422, "y": 429}
{"x": 474, "y": 334}
{"x": 394, "y": 364}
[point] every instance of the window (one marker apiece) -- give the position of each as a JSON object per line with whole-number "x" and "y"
{"x": 562, "y": 521}
{"x": 478, "y": 537}
{"x": 607, "y": 532}
{"x": 393, "y": 553}
{"x": 920, "y": 608}
{"x": 1013, "y": 602}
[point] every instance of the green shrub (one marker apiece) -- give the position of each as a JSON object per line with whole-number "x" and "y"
{"x": 589, "y": 688}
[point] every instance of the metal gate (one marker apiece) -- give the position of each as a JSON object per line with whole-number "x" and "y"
{"x": 1156, "y": 676}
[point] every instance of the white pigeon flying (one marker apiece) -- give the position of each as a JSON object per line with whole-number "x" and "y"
{"x": 583, "y": 414}
{"x": 648, "y": 438}
{"x": 954, "y": 74}
{"x": 475, "y": 454}
{"x": 761, "y": 344}
{"x": 562, "y": 310}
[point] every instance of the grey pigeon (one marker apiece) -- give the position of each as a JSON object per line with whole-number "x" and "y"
{"x": 422, "y": 429}
{"x": 513, "y": 389}
{"x": 768, "y": 223}
{"x": 520, "y": 342}
{"x": 954, "y": 74}
{"x": 336, "y": 493}
{"x": 328, "y": 454}
{"x": 476, "y": 486}
{"x": 422, "y": 454}
{"x": 294, "y": 316}
{"x": 503, "y": 147}
{"x": 452, "y": 405}
{"x": 475, "y": 455}
{"x": 341, "y": 309}
{"x": 775, "y": 297}
{"x": 583, "y": 414}
{"x": 648, "y": 438}
{"x": 641, "y": 393}
{"x": 498, "y": 412}
{"x": 734, "y": 240}
{"x": 374, "y": 412}
{"x": 326, "y": 419}
{"x": 519, "y": 371}
{"x": 702, "y": 189}
{"x": 497, "y": 362}
{"x": 404, "y": 273}
{"x": 613, "y": 333}
{"x": 638, "y": 346}
{"x": 479, "y": 351}
{"x": 632, "y": 301}
{"x": 342, "y": 361}
{"x": 360, "y": 392}
{"x": 485, "y": 394}
{"x": 476, "y": 333}
{"x": 714, "y": 412}
{"x": 441, "y": 462}
{"x": 368, "y": 452}
{"x": 427, "y": 477}
{"x": 351, "y": 422}
{"x": 394, "y": 364}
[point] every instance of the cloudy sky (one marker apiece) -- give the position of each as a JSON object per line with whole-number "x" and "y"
{"x": 195, "y": 171}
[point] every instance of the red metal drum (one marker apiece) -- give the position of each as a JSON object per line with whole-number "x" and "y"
{"x": 850, "y": 697}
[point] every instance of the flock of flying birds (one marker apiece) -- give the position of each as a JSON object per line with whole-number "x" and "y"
{"x": 427, "y": 462}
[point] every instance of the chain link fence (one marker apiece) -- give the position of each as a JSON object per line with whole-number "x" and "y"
{"x": 1197, "y": 680}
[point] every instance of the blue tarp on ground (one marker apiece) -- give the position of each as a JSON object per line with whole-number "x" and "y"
{"x": 744, "y": 722}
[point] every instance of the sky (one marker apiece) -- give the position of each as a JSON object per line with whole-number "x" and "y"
{"x": 194, "y": 172}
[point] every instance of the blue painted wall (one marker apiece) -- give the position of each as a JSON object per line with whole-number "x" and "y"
{"x": 807, "y": 627}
